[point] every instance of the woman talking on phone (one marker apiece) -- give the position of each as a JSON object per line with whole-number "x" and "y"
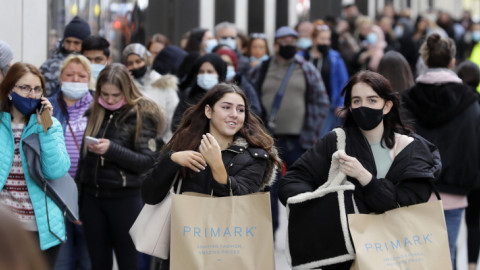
{"x": 126, "y": 128}
{"x": 21, "y": 94}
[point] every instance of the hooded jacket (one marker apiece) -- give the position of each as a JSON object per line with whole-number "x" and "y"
{"x": 408, "y": 181}
{"x": 249, "y": 170}
{"x": 195, "y": 93}
{"x": 447, "y": 113}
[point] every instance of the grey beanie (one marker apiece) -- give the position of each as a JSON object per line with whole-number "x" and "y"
{"x": 6, "y": 54}
{"x": 138, "y": 49}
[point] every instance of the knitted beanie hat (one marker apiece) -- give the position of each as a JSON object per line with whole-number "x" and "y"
{"x": 6, "y": 54}
{"x": 77, "y": 28}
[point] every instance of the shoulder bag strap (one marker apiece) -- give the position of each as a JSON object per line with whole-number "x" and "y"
{"x": 64, "y": 111}
{"x": 279, "y": 96}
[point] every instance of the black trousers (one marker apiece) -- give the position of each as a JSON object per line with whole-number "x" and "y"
{"x": 106, "y": 224}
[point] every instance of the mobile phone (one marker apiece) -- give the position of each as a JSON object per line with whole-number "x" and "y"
{"x": 41, "y": 106}
{"x": 91, "y": 140}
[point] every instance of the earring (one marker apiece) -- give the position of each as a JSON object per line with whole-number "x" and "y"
{"x": 9, "y": 97}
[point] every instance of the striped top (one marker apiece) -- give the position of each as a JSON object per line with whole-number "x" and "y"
{"x": 15, "y": 192}
{"x": 78, "y": 122}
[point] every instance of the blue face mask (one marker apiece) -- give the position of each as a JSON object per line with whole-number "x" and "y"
{"x": 96, "y": 69}
{"x": 210, "y": 44}
{"x": 372, "y": 38}
{"x": 207, "y": 81}
{"x": 24, "y": 105}
{"x": 74, "y": 90}
{"x": 230, "y": 73}
{"x": 231, "y": 43}
{"x": 476, "y": 36}
{"x": 261, "y": 59}
{"x": 304, "y": 43}
{"x": 398, "y": 31}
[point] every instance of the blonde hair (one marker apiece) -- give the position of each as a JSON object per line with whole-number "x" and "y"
{"x": 79, "y": 59}
{"x": 117, "y": 74}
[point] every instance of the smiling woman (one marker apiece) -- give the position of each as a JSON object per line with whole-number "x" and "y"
{"x": 218, "y": 130}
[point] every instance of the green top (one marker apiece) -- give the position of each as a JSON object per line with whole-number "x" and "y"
{"x": 383, "y": 160}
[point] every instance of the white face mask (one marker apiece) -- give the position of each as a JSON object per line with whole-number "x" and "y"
{"x": 74, "y": 90}
{"x": 210, "y": 44}
{"x": 232, "y": 43}
{"x": 96, "y": 69}
{"x": 207, "y": 81}
{"x": 304, "y": 43}
{"x": 230, "y": 73}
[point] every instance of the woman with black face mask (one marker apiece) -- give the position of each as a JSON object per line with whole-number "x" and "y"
{"x": 332, "y": 68}
{"x": 163, "y": 89}
{"x": 389, "y": 165}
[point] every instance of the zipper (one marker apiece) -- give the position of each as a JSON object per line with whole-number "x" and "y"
{"x": 102, "y": 159}
{"x": 124, "y": 178}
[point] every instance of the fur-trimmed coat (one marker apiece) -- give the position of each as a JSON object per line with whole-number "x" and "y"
{"x": 249, "y": 170}
{"x": 164, "y": 91}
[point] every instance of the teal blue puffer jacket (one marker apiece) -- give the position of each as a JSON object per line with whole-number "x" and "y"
{"x": 55, "y": 164}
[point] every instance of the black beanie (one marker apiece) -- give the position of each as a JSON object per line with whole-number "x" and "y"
{"x": 169, "y": 60}
{"x": 77, "y": 28}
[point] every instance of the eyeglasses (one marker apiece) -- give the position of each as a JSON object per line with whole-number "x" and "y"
{"x": 258, "y": 35}
{"x": 26, "y": 89}
{"x": 228, "y": 38}
{"x": 322, "y": 27}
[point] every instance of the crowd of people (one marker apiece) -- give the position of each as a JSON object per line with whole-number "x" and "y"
{"x": 403, "y": 89}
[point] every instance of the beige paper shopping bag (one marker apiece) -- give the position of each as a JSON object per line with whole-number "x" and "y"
{"x": 231, "y": 233}
{"x": 412, "y": 237}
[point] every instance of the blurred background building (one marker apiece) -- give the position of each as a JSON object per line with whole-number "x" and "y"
{"x": 40, "y": 22}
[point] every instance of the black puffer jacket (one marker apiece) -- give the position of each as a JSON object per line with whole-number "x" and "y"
{"x": 118, "y": 173}
{"x": 407, "y": 182}
{"x": 249, "y": 170}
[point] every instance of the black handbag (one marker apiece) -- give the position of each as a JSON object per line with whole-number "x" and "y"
{"x": 62, "y": 191}
{"x": 318, "y": 234}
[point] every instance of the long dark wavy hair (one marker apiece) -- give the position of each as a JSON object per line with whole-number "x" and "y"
{"x": 195, "y": 123}
{"x": 392, "y": 121}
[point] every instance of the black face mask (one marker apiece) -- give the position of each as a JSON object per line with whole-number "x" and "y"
{"x": 139, "y": 72}
{"x": 287, "y": 51}
{"x": 323, "y": 49}
{"x": 367, "y": 118}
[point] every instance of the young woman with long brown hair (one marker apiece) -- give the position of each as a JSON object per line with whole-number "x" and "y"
{"x": 128, "y": 127}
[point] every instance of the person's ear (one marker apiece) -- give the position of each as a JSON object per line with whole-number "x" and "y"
{"x": 451, "y": 65}
{"x": 388, "y": 106}
{"x": 208, "y": 112}
{"x": 109, "y": 60}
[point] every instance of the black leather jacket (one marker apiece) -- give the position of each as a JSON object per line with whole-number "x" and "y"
{"x": 118, "y": 173}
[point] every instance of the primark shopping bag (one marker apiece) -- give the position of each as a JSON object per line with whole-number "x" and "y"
{"x": 233, "y": 232}
{"x": 410, "y": 237}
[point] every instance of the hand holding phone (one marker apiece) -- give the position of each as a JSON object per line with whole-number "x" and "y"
{"x": 91, "y": 140}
